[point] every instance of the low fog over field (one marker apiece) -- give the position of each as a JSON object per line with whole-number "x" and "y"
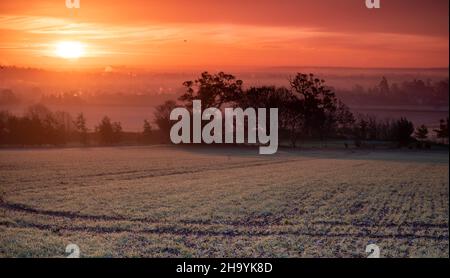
{"x": 131, "y": 94}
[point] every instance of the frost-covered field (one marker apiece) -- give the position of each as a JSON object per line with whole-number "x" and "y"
{"x": 205, "y": 202}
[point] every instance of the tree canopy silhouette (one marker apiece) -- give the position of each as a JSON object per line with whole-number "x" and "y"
{"x": 109, "y": 132}
{"x": 213, "y": 90}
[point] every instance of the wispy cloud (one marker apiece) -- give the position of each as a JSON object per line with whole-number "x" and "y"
{"x": 251, "y": 43}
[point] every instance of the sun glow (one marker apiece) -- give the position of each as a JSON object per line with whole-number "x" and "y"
{"x": 70, "y": 49}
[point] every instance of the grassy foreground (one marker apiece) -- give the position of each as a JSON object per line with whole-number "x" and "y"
{"x": 184, "y": 202}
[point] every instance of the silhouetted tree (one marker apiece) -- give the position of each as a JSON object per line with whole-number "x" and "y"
{"x": 81, "y": 129}
{"x": 162, "y": 117}
{"x": 371, "y": 129}
{"x": 345, "y": 120}
{"x": 442, "y": 132}
{"x": 110, "y": 132}
{"x": 273, "y": 97}
{"x": 293, "y": 120}
{"x": 361, "y": 131}
{"x": 44, "y": 127}
{"x": 402, "y": 130}
{"x": 65, "y": 126}
{"x": 421, "y": 132}
{"x": 147, "y": 133}
{"x": 4, "y": 116}
{"x": 384, "y": 86}
{"x": 212, "y": 89}
{"x": 318, "y": 102}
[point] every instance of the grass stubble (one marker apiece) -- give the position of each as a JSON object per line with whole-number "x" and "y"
{"x": 181, "y": 202}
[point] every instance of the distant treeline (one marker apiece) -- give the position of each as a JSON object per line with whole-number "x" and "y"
{"x": 415, "y": 92}
{"x": 40, "y": 126}
{"x": 412, "y": 92}
{"x": 308, "y": 110}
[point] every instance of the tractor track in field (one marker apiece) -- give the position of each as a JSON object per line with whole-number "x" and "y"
{"x": 146, "y": 174}
{"x": 254, "y": 221}
{"x": 259, "y": 226}
{"x": 182, "y": 231}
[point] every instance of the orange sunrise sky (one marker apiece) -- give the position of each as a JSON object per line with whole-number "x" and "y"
{"x": 172, "y": 34}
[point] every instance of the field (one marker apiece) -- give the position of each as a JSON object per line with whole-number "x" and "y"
{"x": 205, "y": 202}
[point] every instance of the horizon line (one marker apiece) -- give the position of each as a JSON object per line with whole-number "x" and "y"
{"x": 207, "y": 68}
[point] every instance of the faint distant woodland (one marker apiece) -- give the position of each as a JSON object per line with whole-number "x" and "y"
{"x": 25, "y": 86}
{"x": 308, "y": 110}
{"x": 414, "y": 92}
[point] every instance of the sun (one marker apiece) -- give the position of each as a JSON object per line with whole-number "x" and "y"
{"x": 69, "y": 49}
